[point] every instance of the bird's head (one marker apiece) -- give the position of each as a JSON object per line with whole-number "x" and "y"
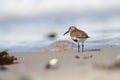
{"x": 70, "y": 29}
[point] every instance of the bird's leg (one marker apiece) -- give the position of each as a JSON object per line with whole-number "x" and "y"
{"x": 78, "y": 47}
{"x": 82, "y": 46}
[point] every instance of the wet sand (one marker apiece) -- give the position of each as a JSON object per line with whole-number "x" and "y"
{"x": 93, "y": 64}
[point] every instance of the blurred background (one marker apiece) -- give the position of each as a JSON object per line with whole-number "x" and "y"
{"x": 26, "y": 24}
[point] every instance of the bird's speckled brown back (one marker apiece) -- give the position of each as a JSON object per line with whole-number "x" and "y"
{"x": 78, "y": 33}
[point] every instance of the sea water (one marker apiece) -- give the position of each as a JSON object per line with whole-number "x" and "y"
{"x": 25, "y": 35}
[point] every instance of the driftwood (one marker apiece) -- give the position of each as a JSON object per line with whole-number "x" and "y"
{"x": 5, "y": 58}
{"x": 3, "y": 53}
{"x": 8, "y": 59}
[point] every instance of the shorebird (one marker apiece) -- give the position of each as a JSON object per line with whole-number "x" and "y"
{"x": 78, "y": 36}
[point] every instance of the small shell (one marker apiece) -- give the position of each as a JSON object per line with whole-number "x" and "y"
{"x": 51, "y": 64}
{"x": 53, "y": 61}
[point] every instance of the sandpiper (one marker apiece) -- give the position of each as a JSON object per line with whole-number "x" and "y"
{"x": 78, "y": 36}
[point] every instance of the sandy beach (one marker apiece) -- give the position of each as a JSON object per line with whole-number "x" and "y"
{"x": 41, "y": 39}
{"x": 96, "y": 63}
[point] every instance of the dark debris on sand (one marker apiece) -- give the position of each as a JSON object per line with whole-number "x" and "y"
{"x": 77, "y": 57}
{"x": 87, "y": 57}
{"x": 5, "y": 59}
{"x": 3, "y": 68}
{"x": 109, "y": 66}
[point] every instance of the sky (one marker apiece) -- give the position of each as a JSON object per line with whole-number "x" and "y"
{"x": 31, "y": 8}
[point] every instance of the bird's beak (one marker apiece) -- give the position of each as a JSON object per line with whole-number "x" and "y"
{"x": 66, "y": 32}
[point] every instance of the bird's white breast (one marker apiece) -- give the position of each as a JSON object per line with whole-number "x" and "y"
{"x": 79, "y": 39}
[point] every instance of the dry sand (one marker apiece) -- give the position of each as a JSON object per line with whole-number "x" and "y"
{"x": 93, "y": 64}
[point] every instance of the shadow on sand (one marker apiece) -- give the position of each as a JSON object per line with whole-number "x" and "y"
{"x": 92, "y": 50}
